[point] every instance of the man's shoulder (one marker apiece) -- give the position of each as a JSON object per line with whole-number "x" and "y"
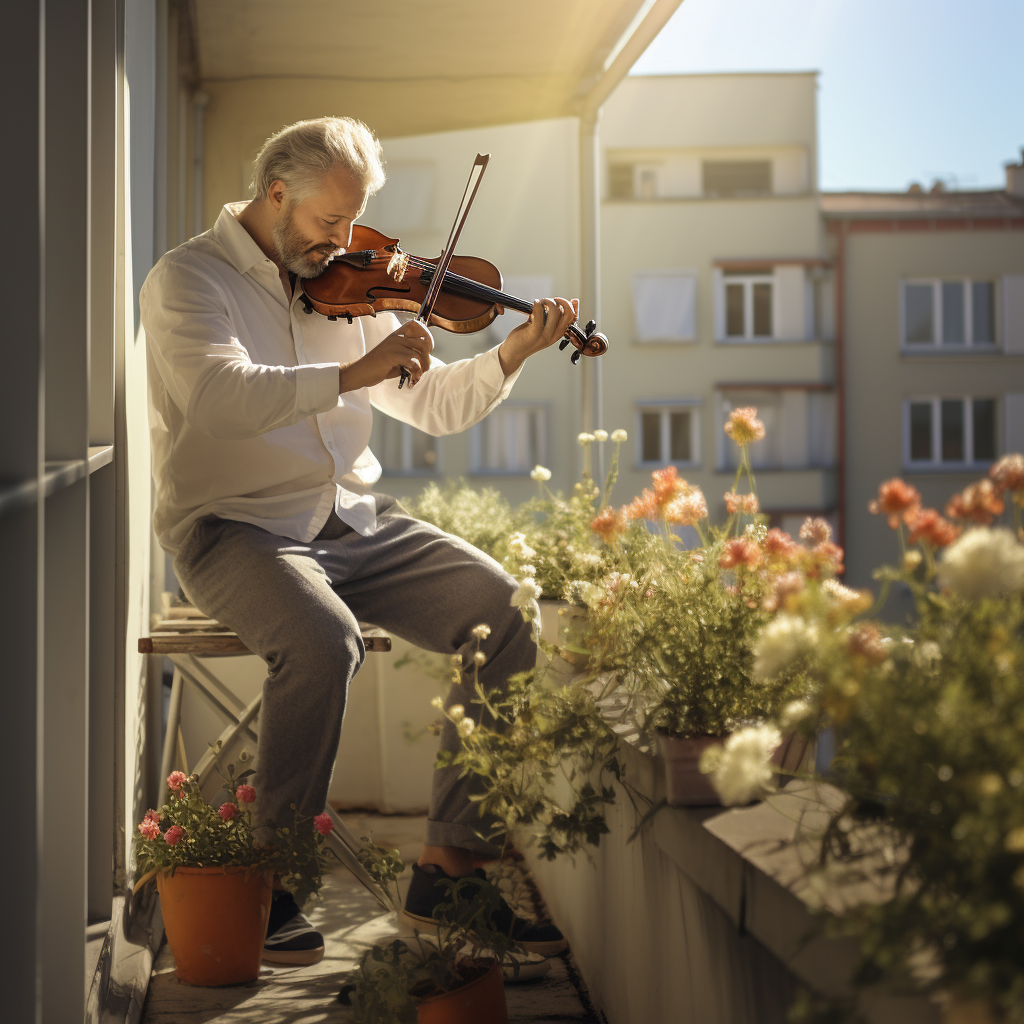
{"x": 202, "y": 254}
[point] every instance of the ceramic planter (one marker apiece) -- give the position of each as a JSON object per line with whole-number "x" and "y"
{"x": 686, "y": 786}
{"x": 481, "y": 1001}
{"x": 216, "y": 922}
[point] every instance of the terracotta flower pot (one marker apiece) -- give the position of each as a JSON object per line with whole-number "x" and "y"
{"x": 686, "y": 786}
{"x": 216, "y": 922}
{"x": 481, "y": 1001}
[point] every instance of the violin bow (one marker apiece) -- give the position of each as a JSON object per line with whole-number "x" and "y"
{"x": 476, "y": 172}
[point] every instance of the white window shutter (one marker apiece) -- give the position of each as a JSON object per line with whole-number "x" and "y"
{"x": 795, "y": 425}
{"x": 788, "y": 313}
{"x": 1013, "y": 409}
{"x": 1013, "y": 314}
{"x": 718, "y": 287}
{"x": 665, "y": 306}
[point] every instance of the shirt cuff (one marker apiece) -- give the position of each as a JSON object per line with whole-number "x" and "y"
{"x": 492, "y": 375}
{"x": 316, "y": 387}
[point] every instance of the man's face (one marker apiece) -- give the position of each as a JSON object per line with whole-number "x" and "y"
{"x": 308, "y": 234}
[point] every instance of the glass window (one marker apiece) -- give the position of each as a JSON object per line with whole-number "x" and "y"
{"x": 650, "y": 429}
{"x": 680, "y": 449}
{"x": 953, "y": 313}
{"x": 921, "y": 431}
{"x": 748, "y": 305}
{"x": 647, "y": 183}
{"x": 620, "y": 181}
{"x": 952, "y": 426}
{"x": 729, "y": 178}
{"x": 919, "y": 313}
{"x": 983, "y": 413}
{"x": 512, "y": 439}
{"x": 735, "y": 322}
{"x": 983, "y": 317}
{"x": 668, "y": 435}
{"x": 762, "y": 310}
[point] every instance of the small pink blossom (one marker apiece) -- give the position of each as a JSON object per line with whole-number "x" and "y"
{"x": 152, "y": 815}
{"x": 245, "y": 794}
{"x": 175, "y": 781}
{"x": 740, "y": 552}
{"x": 323, "y": 824}
{"x": 744, "y": 503}
{"x": 227, "y": 811}
{"x": 149, "y": 828}
{"x": 744, "y": 427}
{"x": 687, "y": 509}
{"x": 174, "y": 835}
{"x": 816, "y": 531}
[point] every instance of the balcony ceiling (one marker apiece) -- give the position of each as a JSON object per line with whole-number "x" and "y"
{"x": 412, "y": 66}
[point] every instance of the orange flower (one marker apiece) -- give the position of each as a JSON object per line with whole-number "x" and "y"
{"x": 894, "y": 498}
{"x": 815, "y": 531}
{"x": 608, "y": 523}
{"x": 778, "y": 545}
{"x": 740, "y": 552}
{"x": 979, "y": 503}
{"x": 667, "y": 484}
{"x": 926, "y": 524}
{"x": 1008, "y": 473}
{"x": 687, "y": 509}
{"x": 644, "y": 506}
{"x": 746, "y": 504}
{"x": 744, "y": 427}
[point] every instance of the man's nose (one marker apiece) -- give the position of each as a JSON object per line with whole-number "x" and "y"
{"x": 342, "y": 239}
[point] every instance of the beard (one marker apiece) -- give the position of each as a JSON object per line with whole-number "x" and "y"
{"x": 298, "y": 253}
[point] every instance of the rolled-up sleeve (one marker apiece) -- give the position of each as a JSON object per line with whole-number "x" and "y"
{"x": 209, "y": 374}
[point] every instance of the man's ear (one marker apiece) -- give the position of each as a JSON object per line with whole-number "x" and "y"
{"x": 276, "y": 193}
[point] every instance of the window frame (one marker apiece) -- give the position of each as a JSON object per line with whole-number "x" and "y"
{"x": 747, "y": 280}
{"x": 665, "y": 407}
{"x": 936, "y": 463}
{"x": 937, "y": 345}
{"x": 476, "y": 448}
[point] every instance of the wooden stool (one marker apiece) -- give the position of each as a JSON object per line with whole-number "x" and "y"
{"x": 182, "y": 633}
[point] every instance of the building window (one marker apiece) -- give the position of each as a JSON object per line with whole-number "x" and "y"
{"x": 668, "y": 433}
{"x": 949, "y": 431}
{"x": 748, "y": 305}
{"x": 511, "y": 440}
{"x": 949, "y": 314}
{"x": 665, "y": 306}
{"x": 406, "y": 450}
{"x": 799, "y": 428}
{"x": 634, "y": 180}
{"x": 729, "y": 179}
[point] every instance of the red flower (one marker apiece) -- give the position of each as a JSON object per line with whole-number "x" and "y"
{"x": 227, "y": 811}
{"x": 323, "y": 824}
{"x": 894, "y": 498}
{"x": 149, "y": 828}
{"x": 926, "y": 524}
{"x": 740, "y": 551}
{"x": 174, "y": 835}
{"x": 152, "y": 815}
{"x": 979, "y": 503}
{"x": 245, "y": 794}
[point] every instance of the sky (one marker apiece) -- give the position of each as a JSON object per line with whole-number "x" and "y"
{"x": 908, "y": 90}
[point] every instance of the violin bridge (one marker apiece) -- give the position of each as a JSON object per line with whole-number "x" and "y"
{"x": 397, "y": 265}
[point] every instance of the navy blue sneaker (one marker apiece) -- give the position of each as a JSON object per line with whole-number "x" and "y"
{"x": 291, "y": 939}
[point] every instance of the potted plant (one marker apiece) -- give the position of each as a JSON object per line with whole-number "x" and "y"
{"x": 453, "y": 976}
{"x": 214, "y": 882}
{"x": 929, "y": 757}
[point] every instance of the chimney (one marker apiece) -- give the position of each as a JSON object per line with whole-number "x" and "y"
{"x": 1015, "y": 177}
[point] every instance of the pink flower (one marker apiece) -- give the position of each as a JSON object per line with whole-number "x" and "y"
{"x": 745, "y": 503}
{"x": 894, "y": 498}
{"x": 175, "y": 781}
{"x": 815, "y": 531}
{"x": 152, "y": 815}
{"x": 245, "y": 794}
{"x": 744, "y": 427}
{"x": 608, "y": 523}
{"x": 227, "y": 811}
{"x": 740, "y": 551}
{"x": 174, "y": 835}
{"x": 1008, "y": 473}
{"x": 149, "y": 828}
{"x": 323, "y": 824}
{"x": 687, "y": 509}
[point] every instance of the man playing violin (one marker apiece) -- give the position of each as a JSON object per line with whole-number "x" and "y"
{"x": 260, "y": 418}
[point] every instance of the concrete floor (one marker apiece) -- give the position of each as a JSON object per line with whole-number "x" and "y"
{"x": 350, "y": 919}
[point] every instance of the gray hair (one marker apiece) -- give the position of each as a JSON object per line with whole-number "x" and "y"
{"x": 302, "y": 155}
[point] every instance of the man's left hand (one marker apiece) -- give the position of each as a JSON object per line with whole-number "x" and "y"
{"x": 547, "y": 324}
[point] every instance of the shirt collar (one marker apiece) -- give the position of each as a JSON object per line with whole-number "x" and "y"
{"x": 241, "y": 250}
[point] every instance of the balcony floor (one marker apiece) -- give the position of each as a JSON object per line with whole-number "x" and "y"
{"x": 350, "y": 919}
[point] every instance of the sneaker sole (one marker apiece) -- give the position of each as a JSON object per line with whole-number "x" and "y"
{"x": 293, "y": 957}
{"x": 550, "y": 948}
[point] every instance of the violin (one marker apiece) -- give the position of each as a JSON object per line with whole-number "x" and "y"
{"x": 375, "y": 274}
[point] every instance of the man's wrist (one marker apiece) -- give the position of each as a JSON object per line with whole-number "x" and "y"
{"x": 349, "y": 377}
{"x": 509, "y": 359}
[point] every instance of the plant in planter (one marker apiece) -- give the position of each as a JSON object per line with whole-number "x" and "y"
{"x": 215, "y": 883}
{"x": 928, "y": 721}
{"x": 453, "y": 977}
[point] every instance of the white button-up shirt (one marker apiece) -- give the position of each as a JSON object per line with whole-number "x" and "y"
{"x": 245, "y": 417}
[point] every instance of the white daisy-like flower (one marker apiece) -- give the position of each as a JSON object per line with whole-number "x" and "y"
{"x": 793, "y": 713}
{"x": 540, "y": 474}
{"x": 481, "y": 632}
{"x": 438, "y": 702}
{"x": 600, "y": 435}
{"x": 456, "y": 712}
{"x": 784, "y": 639}
{"x": 466, "y": 727}
{"x": 518, "y": 547}
{"x": 619, "y": 436}
{"x": 527, "y": 591}
{"x": 528, "y": 570}
{"x": 585, "y": 438}
{"x": 983, "y": 562}
{"x": 741, "y": 770}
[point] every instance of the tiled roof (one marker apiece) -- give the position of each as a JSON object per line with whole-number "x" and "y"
{"x": 924, "y": 205}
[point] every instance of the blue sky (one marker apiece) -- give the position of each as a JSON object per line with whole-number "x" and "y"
{"x": 909, "y": 90}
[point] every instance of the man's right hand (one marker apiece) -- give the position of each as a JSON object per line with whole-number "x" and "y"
{"x": 409, "y": 347}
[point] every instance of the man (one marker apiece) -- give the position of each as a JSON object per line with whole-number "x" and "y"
{"x": 260, "y": 417}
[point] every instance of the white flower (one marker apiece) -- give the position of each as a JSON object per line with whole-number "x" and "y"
{"x": 585, "y": 438}
{"x": 785, "y": 638}
{"x": 481, "y": 632}
{"x": 984, "y": 562}
{"x": 438, "y": 703}
{"x": 619, "y": 436}
{"x": 526, "y": 592}
{"x": 479, "y": 658}
{"x": 518, "y": 547}
{"x": 742, "y": 770}
{"x": 465, "y": 727}
{"x": 456, "y": 712}
{"x": 795, "y": 711}
{"x": 600, "y": 435}
{"x": 528, "y": 570}
{"x": 540, "y": 474}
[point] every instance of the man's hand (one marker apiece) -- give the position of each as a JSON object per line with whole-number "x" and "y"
{"x": 410, "y": 347}
{"x": 547, "y": 324}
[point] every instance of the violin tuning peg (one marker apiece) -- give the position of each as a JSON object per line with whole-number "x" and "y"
{"x": 562, "y": 344}
{"x": 590, "y": 328}
{"x": 575, "y": 357}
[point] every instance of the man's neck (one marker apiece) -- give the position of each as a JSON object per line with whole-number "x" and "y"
{"x": 257, "y": 217}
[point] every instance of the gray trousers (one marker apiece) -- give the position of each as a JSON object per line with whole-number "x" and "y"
{"x": 298, "y": 605}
